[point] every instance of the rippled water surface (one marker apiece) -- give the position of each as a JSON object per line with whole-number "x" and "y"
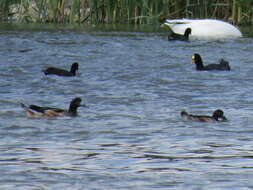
{"x": 131, "y": 136}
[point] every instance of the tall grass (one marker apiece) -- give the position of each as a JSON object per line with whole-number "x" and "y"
{"x": 242, "y": 11}
{"x": 123, "y": 11}
{"x": 5, "y": 7}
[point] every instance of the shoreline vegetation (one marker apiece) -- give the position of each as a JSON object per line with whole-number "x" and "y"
{"x": 238, "y": 12}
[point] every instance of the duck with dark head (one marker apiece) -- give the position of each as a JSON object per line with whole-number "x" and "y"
{"x": 34, "y": 111}
{"x": 218, "y": 116}
{"x": 62, "y": 72}
{"x": 222, "y": 66}
{"x": 184, "y": 37}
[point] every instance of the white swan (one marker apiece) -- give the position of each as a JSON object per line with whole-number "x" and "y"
{"x": 204, "y": 28}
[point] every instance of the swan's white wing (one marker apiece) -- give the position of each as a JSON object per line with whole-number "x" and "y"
{"x": 204, "y": 28}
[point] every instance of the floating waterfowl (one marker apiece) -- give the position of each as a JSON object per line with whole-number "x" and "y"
{"x": 34, "y": 111}
{"x": 218, "y": 116}
{"x": 222, "y": 66}
{"x": 62, "y": 72}
{"x": 184, "y": 37}
{"x": 204, "y": 28}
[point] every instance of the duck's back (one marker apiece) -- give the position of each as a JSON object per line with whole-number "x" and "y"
{"x": 203, "y": 118}
{"x": 57, "y": 71}
{"x": 174, "y": 36}
{"x": 223, "y": 66}
{"x": 191, "y": 117}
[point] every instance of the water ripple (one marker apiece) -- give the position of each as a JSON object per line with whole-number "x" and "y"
{"x": 135, "y": 85}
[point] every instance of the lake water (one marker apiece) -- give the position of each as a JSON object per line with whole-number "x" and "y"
{"x": 131, "y": 136}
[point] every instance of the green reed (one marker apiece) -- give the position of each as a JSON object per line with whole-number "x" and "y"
{"x": 242, "y": 11}
{"x": 123, "y": 11}
{"x": 5, "y": 7}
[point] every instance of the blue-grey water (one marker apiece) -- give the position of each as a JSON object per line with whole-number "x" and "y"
{"x": 131, "y": 136}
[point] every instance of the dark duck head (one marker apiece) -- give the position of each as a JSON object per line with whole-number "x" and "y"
{"x": 74, "y": 104}
{"x": 218, "y": 116}
{"x": 34, "y": 111}
{"x": 184, "y": 37}
{"x": 62, "y": 72}
{"x": 222, "y": 66}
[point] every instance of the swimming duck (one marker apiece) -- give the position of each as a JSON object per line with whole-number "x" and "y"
{"x": 34, "y": 111}
{"x": 204, "y": 28}
{"x": 223, "y": 65}
{"x": 62, "y": 72}
{"x": 218, "y": 115}
{"x": 184, "y": 37}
